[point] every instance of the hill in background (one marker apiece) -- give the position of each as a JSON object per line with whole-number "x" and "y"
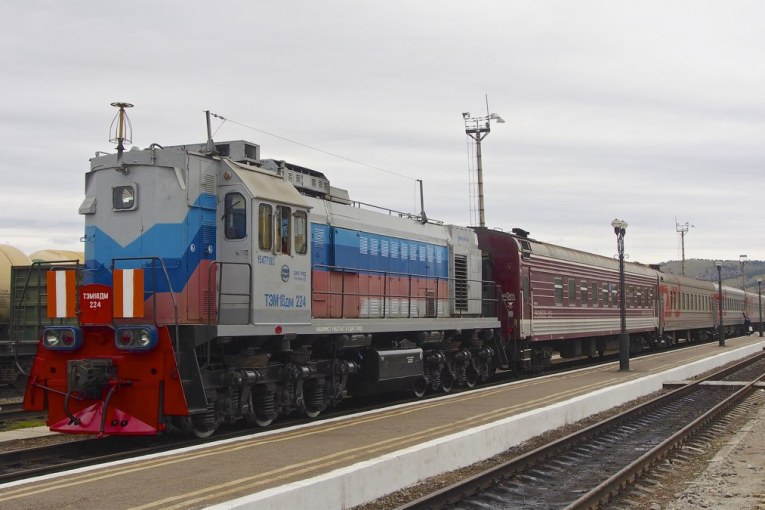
{"x": 702, "y": 269}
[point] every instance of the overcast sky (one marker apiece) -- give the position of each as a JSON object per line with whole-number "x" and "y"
{"x": 648, "y": 111}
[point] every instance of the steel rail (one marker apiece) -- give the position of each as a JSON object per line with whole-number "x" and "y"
{"x": 601, "y": 494}
{"x": 454, "y": 493}
{"x": 14, "y": 411}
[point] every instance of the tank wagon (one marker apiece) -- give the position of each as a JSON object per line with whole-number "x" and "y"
{"x": 218, "y": 286}
{"x": 54, "y": 256}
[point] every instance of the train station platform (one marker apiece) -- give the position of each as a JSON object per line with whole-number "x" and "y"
{"x": 343, "y": 462}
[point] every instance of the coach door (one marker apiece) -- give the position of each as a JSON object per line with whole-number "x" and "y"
{"x": 527, "y": 304}
{"x": 235, "y": 238}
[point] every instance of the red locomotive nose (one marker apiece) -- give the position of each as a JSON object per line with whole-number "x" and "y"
{"x": 117, "y": 422}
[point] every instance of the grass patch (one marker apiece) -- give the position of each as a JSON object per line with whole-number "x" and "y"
{"x": 25, "y": 424}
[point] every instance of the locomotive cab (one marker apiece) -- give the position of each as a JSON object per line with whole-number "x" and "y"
{"x": 263, "y": 246}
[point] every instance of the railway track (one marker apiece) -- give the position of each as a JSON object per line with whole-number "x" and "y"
{"x": 589, "y": 468}
{"x": 14, "y": 411}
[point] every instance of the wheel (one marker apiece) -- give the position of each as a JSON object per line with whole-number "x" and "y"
{"x": 447, "y": 381}
{"x": 311, "y": 413}
{"x": 195, "y": 427}
{"x": 471, "y": 377}
{"x": 419, "y": 387}
{"x": 315, "y": 396}
{"x": 202, "y": 431}
{"x": 262, "y": 422}
{"x": 265, "y": 409}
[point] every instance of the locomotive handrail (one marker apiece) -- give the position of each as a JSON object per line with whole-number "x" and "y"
{"x": 18, "y": 305}
{"x": 219, "y": 293}
{"x": 154, "y": 291}
{"x": 357, "y": 204}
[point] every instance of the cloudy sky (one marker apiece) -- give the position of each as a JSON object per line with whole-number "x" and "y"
{"x": 649, "y": 111}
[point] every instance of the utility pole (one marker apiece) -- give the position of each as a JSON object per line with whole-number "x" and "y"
{"x": 743, "y": 261}
{"x": 682, "y": 230}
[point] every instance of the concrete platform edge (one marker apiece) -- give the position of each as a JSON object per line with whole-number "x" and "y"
{"x": 369, "y": 480}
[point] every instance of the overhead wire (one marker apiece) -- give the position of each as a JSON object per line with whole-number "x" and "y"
{"x": 334, "y": 155}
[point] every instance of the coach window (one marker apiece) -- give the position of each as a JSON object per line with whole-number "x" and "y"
{"x": 605, "y": 294}
{"x": 559, "y": 291}
{"x": 301, "y": 232}
{"x": 571, "y": 292}
{"x": 235, "y": 216}
{"x": 583, "y": 290}
{"x": 595, "y": 294}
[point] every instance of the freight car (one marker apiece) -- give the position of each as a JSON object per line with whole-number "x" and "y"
{"x": 22, "y": 305}
{"x": 9, "y": 351}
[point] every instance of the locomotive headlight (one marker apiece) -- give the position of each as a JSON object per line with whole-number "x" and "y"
{"x": 52, "y": 339}
{"x": 136, "y": 338}
{"x": 143, "y": 339}
{"x": 62, "y": 338}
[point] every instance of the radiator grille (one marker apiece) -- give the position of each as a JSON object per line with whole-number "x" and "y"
{"x": 460, "y": 283}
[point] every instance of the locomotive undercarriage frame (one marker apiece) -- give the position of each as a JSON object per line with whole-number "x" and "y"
{"x": 307, "y": 375}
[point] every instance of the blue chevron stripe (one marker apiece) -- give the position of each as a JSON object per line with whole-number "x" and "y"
{"x": 170, "y": 242}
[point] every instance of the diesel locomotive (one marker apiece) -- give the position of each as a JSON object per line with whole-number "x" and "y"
{"x": 220, "y": 287}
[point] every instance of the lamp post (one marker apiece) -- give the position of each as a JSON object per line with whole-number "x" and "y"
{"x": 743, "y": 260}
{"x": 620, "y": 229}
{"x": 759, "y": 304}
{"x": 721, "y": 331}
{"x": 478, "y": 128}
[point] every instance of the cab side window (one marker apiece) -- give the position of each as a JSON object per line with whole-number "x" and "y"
{"x": 265, "y": 235}
{"x": 301, "y": 232}
{"x": 284, "y": 230}
{"x": 235, "y": 216}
